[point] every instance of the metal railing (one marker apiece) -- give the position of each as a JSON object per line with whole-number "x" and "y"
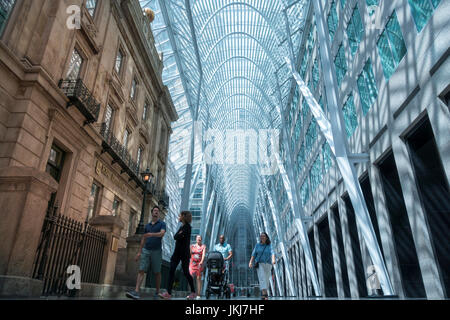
{"x": 120, "y": 155}
{"x": 65, "y": 242}
{"x": 80, "y": 96}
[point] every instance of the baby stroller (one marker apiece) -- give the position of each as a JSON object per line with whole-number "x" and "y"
{"x": 217, "y": 276}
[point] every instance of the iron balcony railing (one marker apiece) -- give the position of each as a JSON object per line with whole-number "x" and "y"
{"x": 82, "y": 98}
{"x": 120, "y": 155}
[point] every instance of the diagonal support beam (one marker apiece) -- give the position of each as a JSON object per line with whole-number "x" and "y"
{"x": 289, "y": 181}
{"x": 280, "y": 236}
{"x": 277, "y": 276}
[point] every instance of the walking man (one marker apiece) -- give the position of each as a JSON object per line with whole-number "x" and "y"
{"x": 150, "y": 252}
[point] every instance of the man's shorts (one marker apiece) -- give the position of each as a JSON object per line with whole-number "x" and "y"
{"x": 153, "y": 257}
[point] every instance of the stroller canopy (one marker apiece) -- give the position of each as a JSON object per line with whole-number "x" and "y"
{"x": 215, "y": 257}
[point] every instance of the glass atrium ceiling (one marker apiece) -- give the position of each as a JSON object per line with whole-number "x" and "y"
{"x": 224, "y": 64}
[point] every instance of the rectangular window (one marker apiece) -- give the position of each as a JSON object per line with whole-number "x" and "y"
{"x": 332, "y": 20}
{"x": 356, "y": 247}
{"x": 116, "y": 207}
{"x": 341, "y": 64}
{"x": 93, "y": 199}
{"x": 108, "y": 118}
{"x": 391, "y": 46}
{"x": 367, "y": 87}
{"x": 125, "y": 138}
{"x": 76, "y": 62}
{"x": 144, "y": 113}
{"x": 119, "y": 61}
{"x": 433, "y": 189}
{"x": 350, "y": 118}
{"x": 312, "y": 245}
{"x": 55, "y": 162}
{"x": 133, "y": 89}
{"x": 326, "y": 254}
{"x": 139, "y": 157}
{"x": 355, "y": 30}
{"x": 6, "y": 7}
{"x": 90, "y": 6}
{"x": 403, "y": 240}
{"x": 422, "y": 10}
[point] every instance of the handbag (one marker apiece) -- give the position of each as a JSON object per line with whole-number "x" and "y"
{"x": 256, "y": 262}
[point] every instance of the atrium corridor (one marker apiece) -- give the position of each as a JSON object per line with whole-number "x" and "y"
{"x": 352, "y": 98}
{"x": 323, "y": 123}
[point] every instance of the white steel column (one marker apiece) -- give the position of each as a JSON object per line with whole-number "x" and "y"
{"x": 290, "y": 185}
{"x": 280, "y": 239}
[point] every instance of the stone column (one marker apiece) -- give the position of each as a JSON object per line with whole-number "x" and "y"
{"x": 24, "y": 196}
{"x": 112, "y": 226}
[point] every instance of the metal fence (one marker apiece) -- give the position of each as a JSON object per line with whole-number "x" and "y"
{"x": 64, "y": 242}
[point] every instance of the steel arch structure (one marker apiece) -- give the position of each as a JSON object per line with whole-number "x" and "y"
{"x": 232, "y": 65}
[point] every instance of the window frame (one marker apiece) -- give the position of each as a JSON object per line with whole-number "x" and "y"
{"x": 116, "y": 209}
{"x": 126, "y": 141}
{"x": 122, "y": 62}
{"x": 82, "y": 65}
{"x": 93, "y": 211}
{"x": 145, "y": 110}
{"x": 140, "y": 157}
{"x": 391, "y": 59}
{"x": 113, "y": 113}
{"x": 94, "y": 13}
{"x": 134, "y": 88}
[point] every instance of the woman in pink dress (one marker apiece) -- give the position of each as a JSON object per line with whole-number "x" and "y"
{"x": 198, "y": 252}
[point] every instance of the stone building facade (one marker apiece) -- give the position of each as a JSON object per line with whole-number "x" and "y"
{"x": 83, "y": 111}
